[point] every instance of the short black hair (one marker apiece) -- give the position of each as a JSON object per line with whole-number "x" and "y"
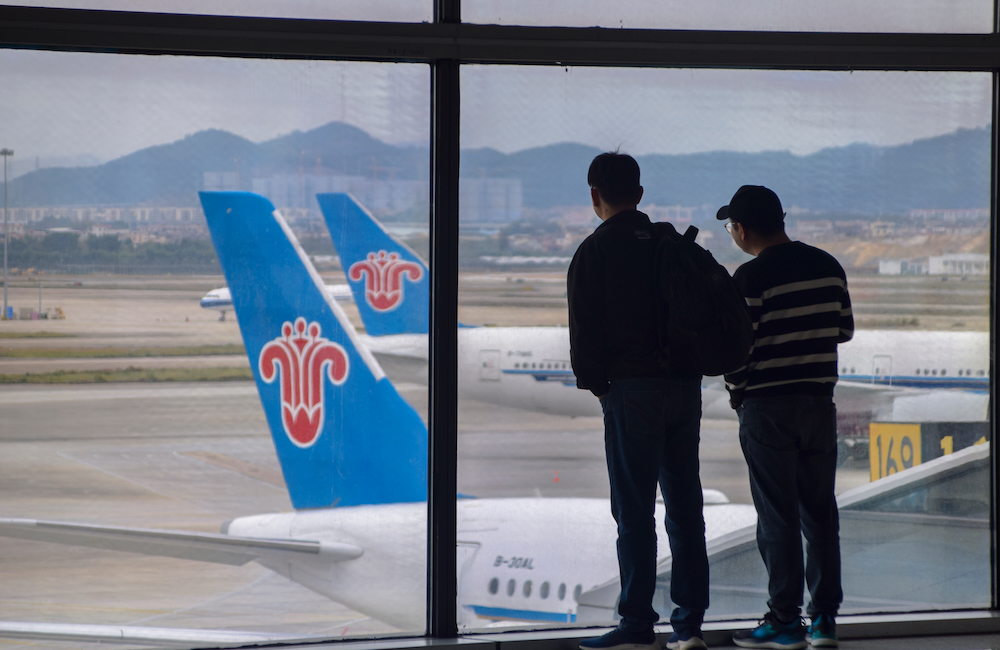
{"x": 615, "y": 176}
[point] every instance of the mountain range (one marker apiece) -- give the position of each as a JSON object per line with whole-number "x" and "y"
{"x": 950, "y": 171}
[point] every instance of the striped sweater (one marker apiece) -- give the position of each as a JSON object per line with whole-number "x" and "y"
{"x": 800, "y": 308}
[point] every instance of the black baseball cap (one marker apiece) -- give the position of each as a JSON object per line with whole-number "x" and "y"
{"x": 754, "y": 206}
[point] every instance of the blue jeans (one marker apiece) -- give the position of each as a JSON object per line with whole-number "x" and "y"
{"x": 651, "y": 434}
{"x": 790, "y": 444}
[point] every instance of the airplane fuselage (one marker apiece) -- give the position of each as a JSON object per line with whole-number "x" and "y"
{"x": 529, "y": 367}
{"x": 518, "y": 559}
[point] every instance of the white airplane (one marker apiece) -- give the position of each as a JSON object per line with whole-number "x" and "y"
{"x": 893, "y": 375}
{"x": 221, "y": 299}
{"x": 354, "y": 459}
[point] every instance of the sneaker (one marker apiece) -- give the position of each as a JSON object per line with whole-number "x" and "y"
{"x": 619, "y": 639}
{"x": 823, "y": 632}
{"x": 772, "y": 633}
{"x": 686, "y": 641}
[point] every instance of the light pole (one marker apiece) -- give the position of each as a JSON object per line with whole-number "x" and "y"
{"x": 5, "y": 153}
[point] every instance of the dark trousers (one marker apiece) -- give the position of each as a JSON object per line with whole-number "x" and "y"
{"x": 790, "y": 444}
{"x": 651, "y": 434}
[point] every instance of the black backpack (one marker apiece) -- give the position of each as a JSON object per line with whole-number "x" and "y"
{"x": 704, "y": 325}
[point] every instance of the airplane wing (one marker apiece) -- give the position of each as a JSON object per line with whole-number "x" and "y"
{"x": 161, "y": 637}
{"x": 906, "y": 404}
{"x": 201, "y": 547}
{"x": 726, "y": 527}
{"x": 404, "y": 346}
{"x": 852, "y": 388}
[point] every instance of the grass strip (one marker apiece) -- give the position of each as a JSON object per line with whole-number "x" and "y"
{"x": 130, "y": 374}
{"x": 120, "y": 352}
{"x": 34, "y": 335}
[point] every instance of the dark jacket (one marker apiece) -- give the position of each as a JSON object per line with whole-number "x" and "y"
{"x": 612, "y": 316}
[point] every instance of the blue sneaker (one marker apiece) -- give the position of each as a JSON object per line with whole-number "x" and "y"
{"x": 772, "y": 633}
{"x": 619, "y": 639}
{"x": 686, "y": 641}
{"x": 823, "y": 632}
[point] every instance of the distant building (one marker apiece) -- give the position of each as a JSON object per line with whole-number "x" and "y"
{"x": 678, "y": 215}
{"x": 816, "y": 228}
{"x": 101, "y": 229}
{"x": 854, "y": 228}
{"x": 948, "y": 264}
{"x": 220, "y": 182}
{"x": 137, "y": 237}
{"x": 704, "y": 238}
{"x": 959, "y": 264}
{"x": 915, "y": 266}
{"x": 490, "y": 200}
{"x": 299, "y": 191}
{"x": 176, "y": 231}
{"x": 971, "y": 214}
{"x": 882, "y": 228}
{"x": 15, "y": 230}
{"x": 108, "y": 214}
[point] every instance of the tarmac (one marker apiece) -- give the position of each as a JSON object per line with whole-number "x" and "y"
{"x": 191, "y": 456}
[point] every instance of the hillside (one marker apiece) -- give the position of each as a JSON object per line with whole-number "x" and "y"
{"x": 946, "y": 172}
{"x": 861, "y": 253}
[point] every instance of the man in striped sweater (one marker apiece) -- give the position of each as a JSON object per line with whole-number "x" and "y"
{"x": 800, "y": 308}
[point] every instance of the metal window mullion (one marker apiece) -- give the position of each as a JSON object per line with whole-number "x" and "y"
{"x": 994, "y": 406}
{"x": 443, "y": 381}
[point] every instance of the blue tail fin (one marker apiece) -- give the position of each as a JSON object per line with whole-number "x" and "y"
{"x": 390, "y": 282}
{"x": 343, "y": 434}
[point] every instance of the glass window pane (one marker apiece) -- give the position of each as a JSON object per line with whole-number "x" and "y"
{"x": 887, "y": 171}
{"x": 402, "y": 11}
{"x": 923, "y": 16}
{"x": 176, "y": 363}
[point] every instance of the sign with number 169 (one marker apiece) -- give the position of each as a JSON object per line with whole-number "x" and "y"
{"x": 893, "y": 448}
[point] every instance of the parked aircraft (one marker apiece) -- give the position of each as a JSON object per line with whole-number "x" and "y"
{"x": 220, "y": 298}
{"x": 354, "y": 459}
{"x": 885, "y": 374}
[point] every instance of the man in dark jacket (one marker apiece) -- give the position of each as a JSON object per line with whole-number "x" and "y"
{"x": 652, "y": 414}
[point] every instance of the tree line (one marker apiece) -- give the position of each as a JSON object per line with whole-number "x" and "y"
{"x": 61, "y": 249}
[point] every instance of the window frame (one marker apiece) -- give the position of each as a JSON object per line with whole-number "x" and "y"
{"x": 445, "y": 45}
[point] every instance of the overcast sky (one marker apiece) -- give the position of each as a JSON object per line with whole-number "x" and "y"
{"x": 63, "y": 105}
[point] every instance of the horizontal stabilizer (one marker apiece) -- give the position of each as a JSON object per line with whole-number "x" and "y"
{"x": 202, "y": 547}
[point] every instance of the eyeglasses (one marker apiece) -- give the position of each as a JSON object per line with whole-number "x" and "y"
{"x": 729, "y": 227}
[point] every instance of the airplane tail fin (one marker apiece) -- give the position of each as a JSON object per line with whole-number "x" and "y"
{"x": 390, "y": 282}
{"x": 343, "y": 434}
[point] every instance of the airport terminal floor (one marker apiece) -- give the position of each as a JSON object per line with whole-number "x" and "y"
{"x": 717, "y": 639}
